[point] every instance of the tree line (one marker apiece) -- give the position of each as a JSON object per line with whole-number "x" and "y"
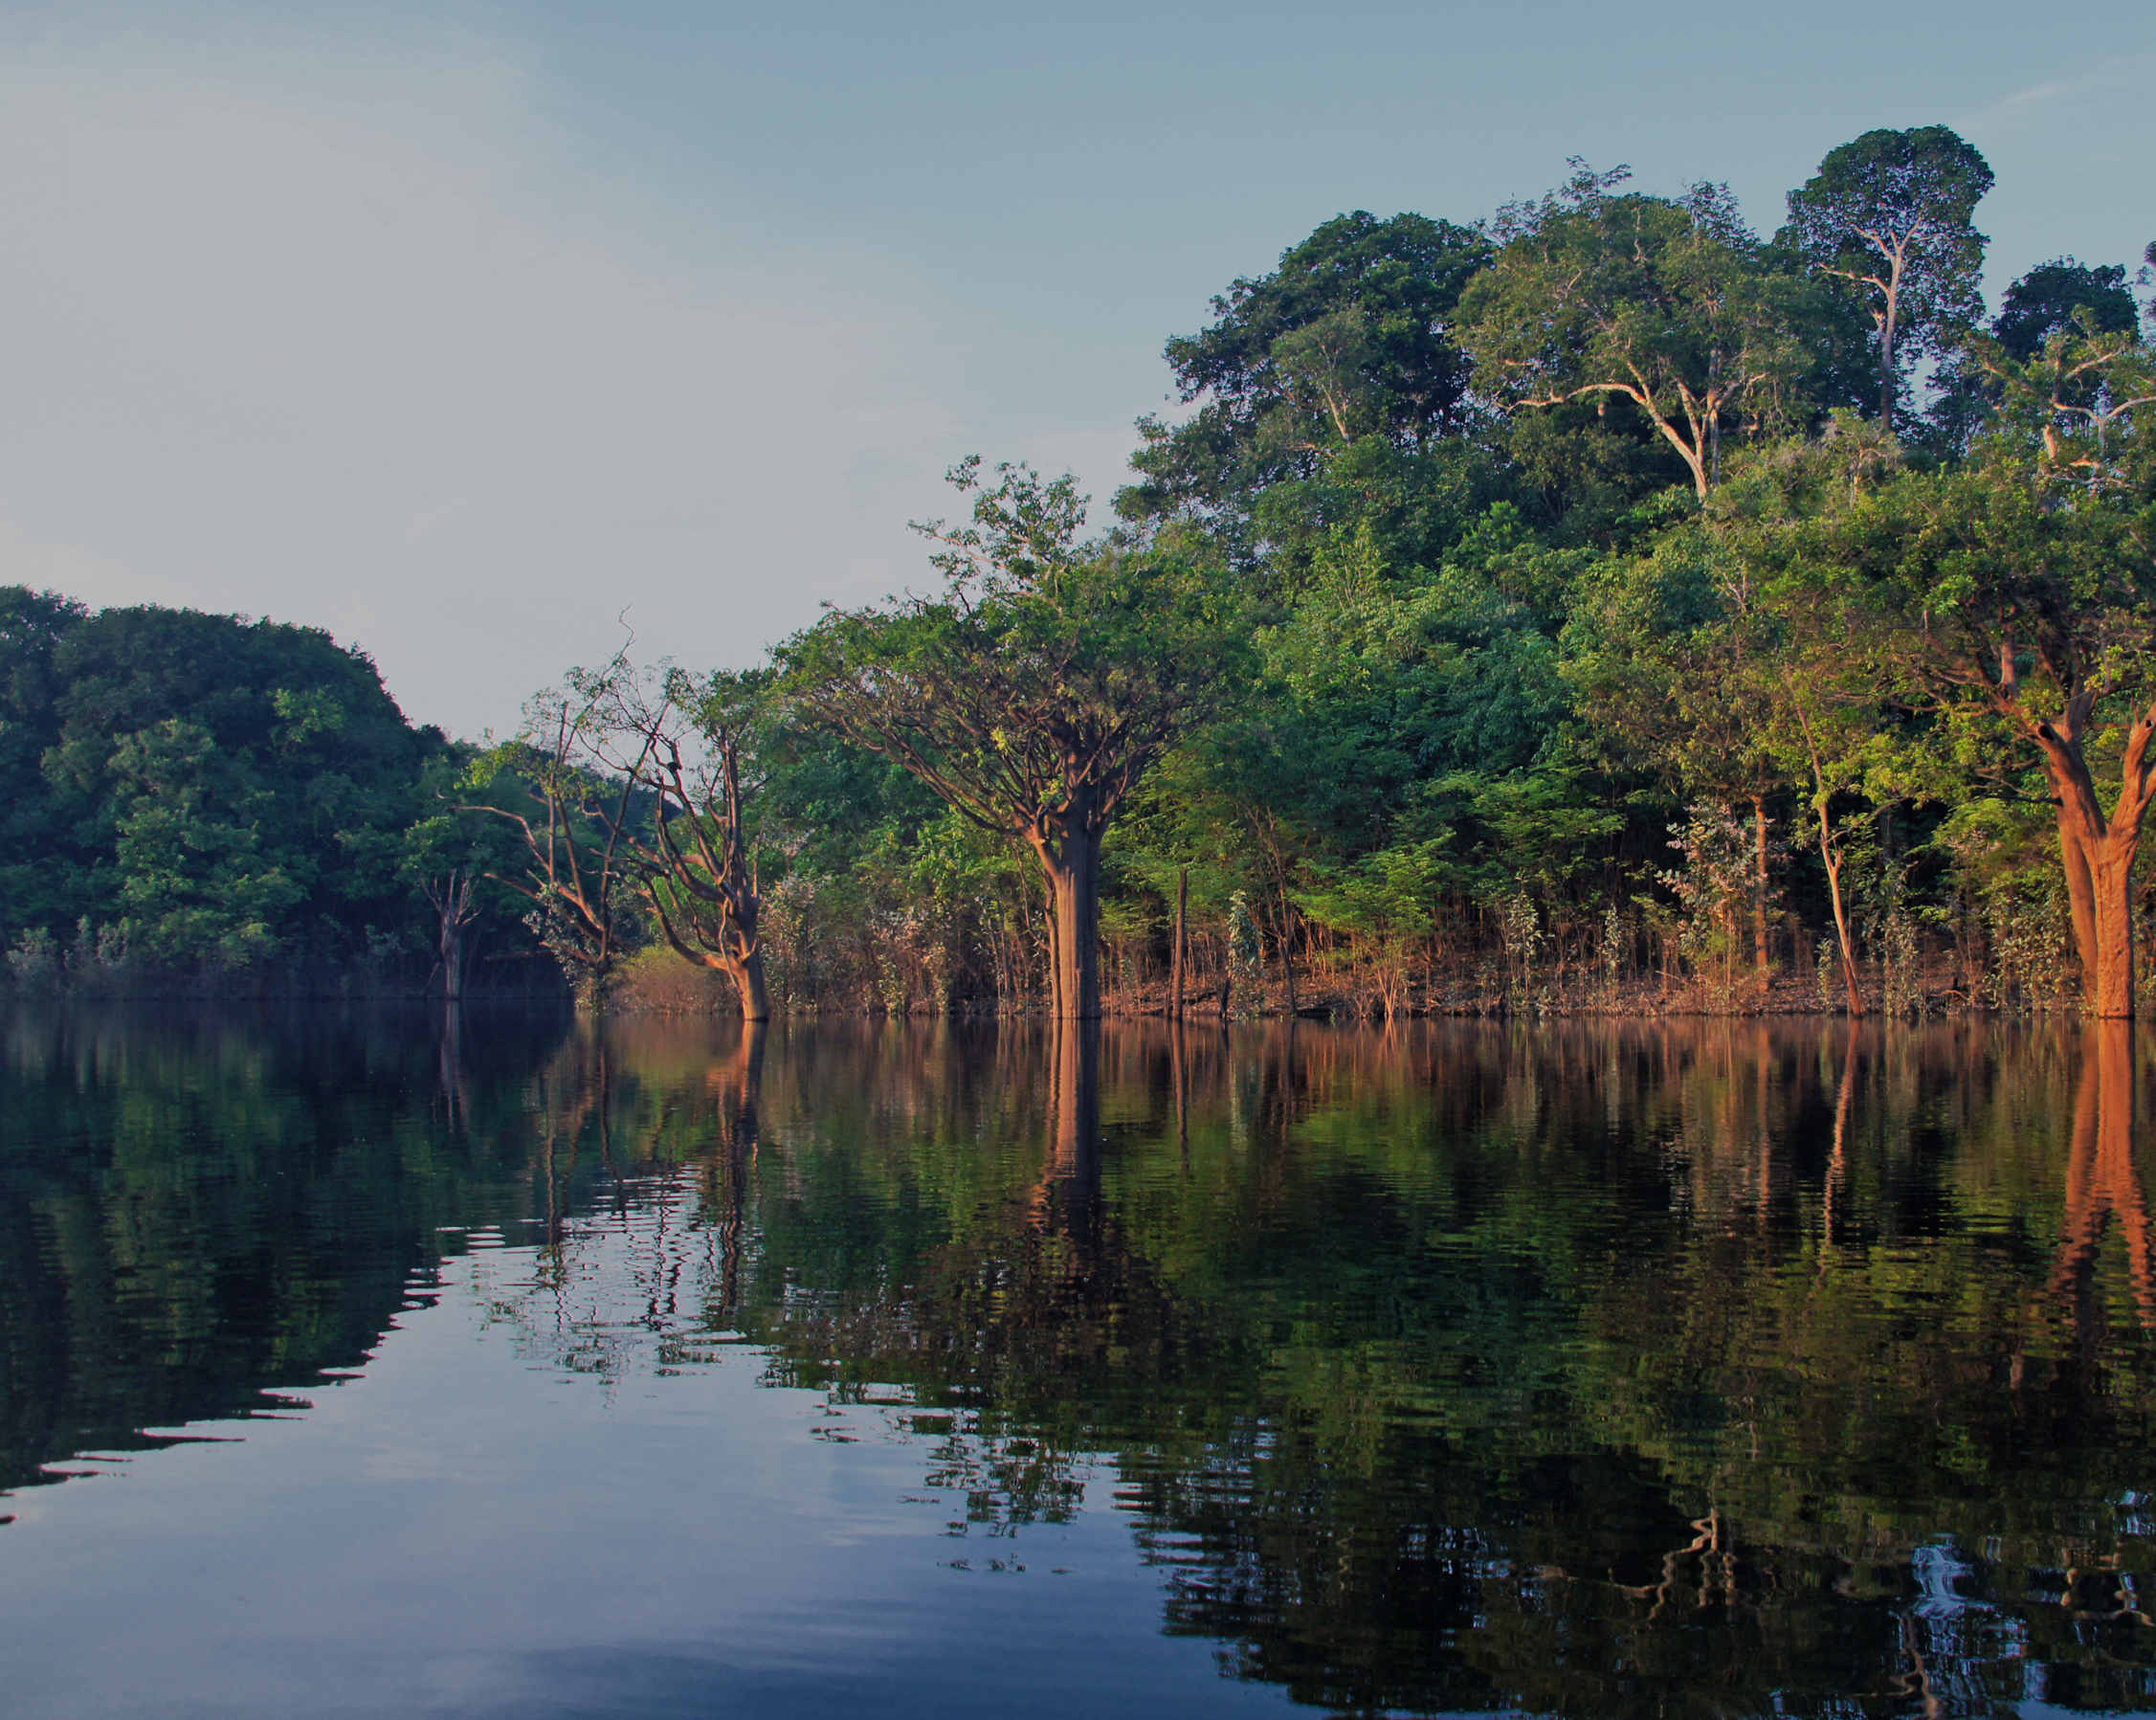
{"x": 1599, "y": 605}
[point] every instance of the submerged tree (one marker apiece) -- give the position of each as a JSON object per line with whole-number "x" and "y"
{"x": 573, "y": 824}
{"x": 2022, "y": 591}
{"x": 1035, "y": 691}
{"x": 681, "y": 741}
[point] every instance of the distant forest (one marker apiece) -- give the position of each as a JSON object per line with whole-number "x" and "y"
{"x": 1601, "y": 606}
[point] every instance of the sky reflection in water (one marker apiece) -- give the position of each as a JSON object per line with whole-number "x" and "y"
{"x": 1701, "y": 1369}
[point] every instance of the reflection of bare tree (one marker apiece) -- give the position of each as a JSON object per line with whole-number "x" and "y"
{"x": 2101, "y": 1182}
{"x": 580, "y": 1068}
{"x": 653, "y": 1250}
{"x": 726, "y": 1203}
{"x": 456, "y": 1102}
{"x": 1718, "y": 1569}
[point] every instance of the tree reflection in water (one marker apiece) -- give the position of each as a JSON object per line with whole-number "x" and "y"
{"x": 1724, "y": 1368}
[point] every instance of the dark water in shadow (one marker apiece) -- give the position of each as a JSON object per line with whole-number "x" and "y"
{"x": 355, "y": 1365}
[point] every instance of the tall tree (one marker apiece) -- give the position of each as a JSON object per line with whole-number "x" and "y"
{"x": 1890, "y": 213}
{"x": 1821, "y": 677}
{"x": 1674, "y": 306}
{"x": 1350, "y": 337}
{"x": 1035, "y": 691}
{"x": 2023, "y": 588}
{"x": 452, "y": 863}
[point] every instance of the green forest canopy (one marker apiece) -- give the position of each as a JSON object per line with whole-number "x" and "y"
{"x": 1603, "y": 594}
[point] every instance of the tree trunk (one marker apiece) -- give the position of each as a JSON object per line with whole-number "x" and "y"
{"x": 452, "y": 960}
{"x": 1887, "y": 390}
{"x": 2112, "y": 995}
{"x": 2080, "y": 889}
{"x": 1287, "y": 949}
{"x": 2099, "y": 854}
{"x": 1832, "y": 863}
{"x": 1071, "y": 858}
{"x": 1182, "y": 939}
{"x": 755, "y": 993}
{"x": 1759, "y": 892}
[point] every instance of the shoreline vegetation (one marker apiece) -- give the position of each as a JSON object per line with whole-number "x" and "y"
{"x": 653, "y": 984}
{"x": 1599, "y": 609}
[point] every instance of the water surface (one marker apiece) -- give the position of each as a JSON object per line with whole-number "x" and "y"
{"x": 372, "y": 1365}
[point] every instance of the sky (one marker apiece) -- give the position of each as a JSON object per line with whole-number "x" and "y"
{"x": 489, "y": 336}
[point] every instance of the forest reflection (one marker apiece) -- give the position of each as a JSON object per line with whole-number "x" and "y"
{"x": 1726, "y": 1368}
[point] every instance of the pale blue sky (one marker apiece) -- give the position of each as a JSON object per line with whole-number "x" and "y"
{"x": 459, "y": 329}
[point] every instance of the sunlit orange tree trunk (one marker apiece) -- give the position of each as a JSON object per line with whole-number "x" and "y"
{"x": 1034, "y": 691}
{"x": 2021, "y": 589}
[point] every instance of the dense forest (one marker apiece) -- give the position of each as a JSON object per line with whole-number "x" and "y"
{"x": 1600, "y": 606}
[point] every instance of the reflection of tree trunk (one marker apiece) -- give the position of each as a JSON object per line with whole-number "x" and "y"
{"x": 1763, "y": 1136}
{"x": 741, "y": 1140}
{"x": 1917, "y": 1681}
{"x": 1177, "y": 1053}
{"x": 1074, "y": 1165}
{"x": 606, "y": 1119}
{"x": 1707, "y": 1542}
{"x": 748, "y": 1065}
{"x": 2102, "y": 1180}
{"x": 566, "y": 1120}
{"x": 1077, "y": 1099}
{"x": 1838, "y": 1156}
{"x": 450, "y": 1062}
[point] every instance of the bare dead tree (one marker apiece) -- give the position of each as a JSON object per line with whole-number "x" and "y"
{"x": 690, "y": 862}
{"x": 576, "y": 847}
{"x": 453, "y": 895}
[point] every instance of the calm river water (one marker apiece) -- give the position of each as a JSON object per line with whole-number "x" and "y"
{"x": 379, "y": 1365}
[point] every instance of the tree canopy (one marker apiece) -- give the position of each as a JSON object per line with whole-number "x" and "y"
{"x": 1596, "y": 603}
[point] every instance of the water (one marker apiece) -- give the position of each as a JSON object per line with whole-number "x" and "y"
{"x": 376, "y": 1365}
